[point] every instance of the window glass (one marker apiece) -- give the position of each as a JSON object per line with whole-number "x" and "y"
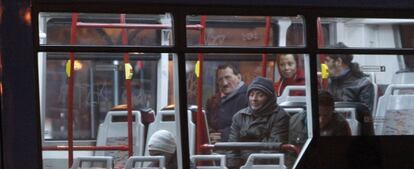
{"x": 99, "y": 102}
{"x": 105, "y": 29}
{"x": 234, "y": 94}
{"x": 253, "y": 31}
{"x": 371, "y": 93}
{"x": 98, "y": 86}
{"x": 369, "y": 32}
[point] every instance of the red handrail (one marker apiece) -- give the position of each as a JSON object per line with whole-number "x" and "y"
{"x": 129, "y": 25}
{"x": 85, "y": 148}
{"x": 266, "y": 44}
{"x": 321, "y": 42}
{"x": 124, "y": 35}
{"x": 73, "y": 40}
{"x": 200, "y": 122}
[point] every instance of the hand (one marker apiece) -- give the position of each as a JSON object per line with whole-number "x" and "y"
{"x": 215, "y": 137}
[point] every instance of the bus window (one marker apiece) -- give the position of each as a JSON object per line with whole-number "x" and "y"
{"x": 99, "y": 86}
{"x": 243, "y": 31}
{"x": 370, "y": 32}
{"x": 105, "y": 29}
{"x": 381, "y": 83}
{"x": 227, "y": 83}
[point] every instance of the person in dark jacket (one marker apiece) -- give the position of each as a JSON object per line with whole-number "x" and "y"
{"x": 229, "y": 99}
{"x": 298, "y": 134}
{"x": 346, "y": 81}
{"x": 331, "y": 123}
{"x": 290, "y": 74}
{"x": 262, "y": 121}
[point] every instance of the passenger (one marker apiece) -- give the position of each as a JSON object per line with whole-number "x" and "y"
{"x": 229, "y": 99}
{"x": 346, "y": 81}
{"x": 298, "y": 134}
{"x": 162, "y": 143}
{"x": 290, "y": 74}
{"x": 331, "y": 123}
{"x": 262, "y": 121}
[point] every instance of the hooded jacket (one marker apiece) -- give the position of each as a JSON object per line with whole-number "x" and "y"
{"x": 269, "y": 123}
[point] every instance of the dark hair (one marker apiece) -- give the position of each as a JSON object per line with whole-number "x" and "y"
{"x": 347, "y": 59}
{"x": 233, "y": 67}
{"x": 295, "y": 57}
{"x": 326, "y": 99}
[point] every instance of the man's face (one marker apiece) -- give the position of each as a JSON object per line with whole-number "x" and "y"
{"x": 333, "y": 66}
{"x": 325, "y": 115}
{"x": 257, "y": 99}
{"x": 227, "y": 80}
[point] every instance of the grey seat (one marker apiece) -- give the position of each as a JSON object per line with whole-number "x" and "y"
{"x": 395, "y": 112}
{"x": 92, "y": 161}
{"x": 114, "y": 132}
{"x": 287, "y": 97}
{"x": 136, "y": 162}
{"x": 221, "y": 158}
{"x": 250, "y": 161}
{"x": 358, "y": 116}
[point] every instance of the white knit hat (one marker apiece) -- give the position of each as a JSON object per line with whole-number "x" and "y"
{"x": 162, "y": 140}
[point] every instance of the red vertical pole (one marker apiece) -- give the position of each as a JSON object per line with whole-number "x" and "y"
{"x": 124, "y": 35}
{"x": 321, "y": 42}
{"x": 266, "y": 44}
{"x": 200, "y": 121}
{"x": 73, "y": 40}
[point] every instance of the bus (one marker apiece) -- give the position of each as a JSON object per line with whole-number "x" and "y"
{"x": 105, "y": 80}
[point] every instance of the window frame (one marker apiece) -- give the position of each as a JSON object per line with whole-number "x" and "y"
{"x": 180, "y": 48}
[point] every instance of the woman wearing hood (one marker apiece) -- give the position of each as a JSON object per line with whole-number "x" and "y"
{"x": 290, "y": 74}
{"x": 262, "y": 121}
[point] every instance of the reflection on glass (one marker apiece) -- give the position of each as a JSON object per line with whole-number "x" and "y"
{"x": 260, "y": 31}
{"x": 106, "y": 29}
{"x": 368, "y": 32}
{"x": 239, "y": 105}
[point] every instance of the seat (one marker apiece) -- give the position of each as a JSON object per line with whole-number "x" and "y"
{"x": 136, "y": 162}
{"x": 293, "y": 107}
{"x": 358, "y": 116}
{"x": 114, "y": 132}
{"x": 92, "y": 161}
{"x": 215, "y": 157}
{"x": 395, "y": 112}
{"x": 372, "y": 78}
{"x": 349, "y": 113}
{"x": 165, "y": 120}
{"x": 286, "y": 95}
{"x": 250, "y": 161}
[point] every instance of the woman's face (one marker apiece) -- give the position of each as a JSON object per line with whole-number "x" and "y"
{"x": 257, "y": 99}
{"x": 287, "y": 66}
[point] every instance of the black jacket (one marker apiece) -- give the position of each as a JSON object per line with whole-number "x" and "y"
{"x": 298, "y": 132}
{"x": 338, "y": 126}
{"x": 220, "y": 111}
{"x": 269, "y": 123}
{"x": 351, "y": 88}
{"x": 272, "y": 127}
